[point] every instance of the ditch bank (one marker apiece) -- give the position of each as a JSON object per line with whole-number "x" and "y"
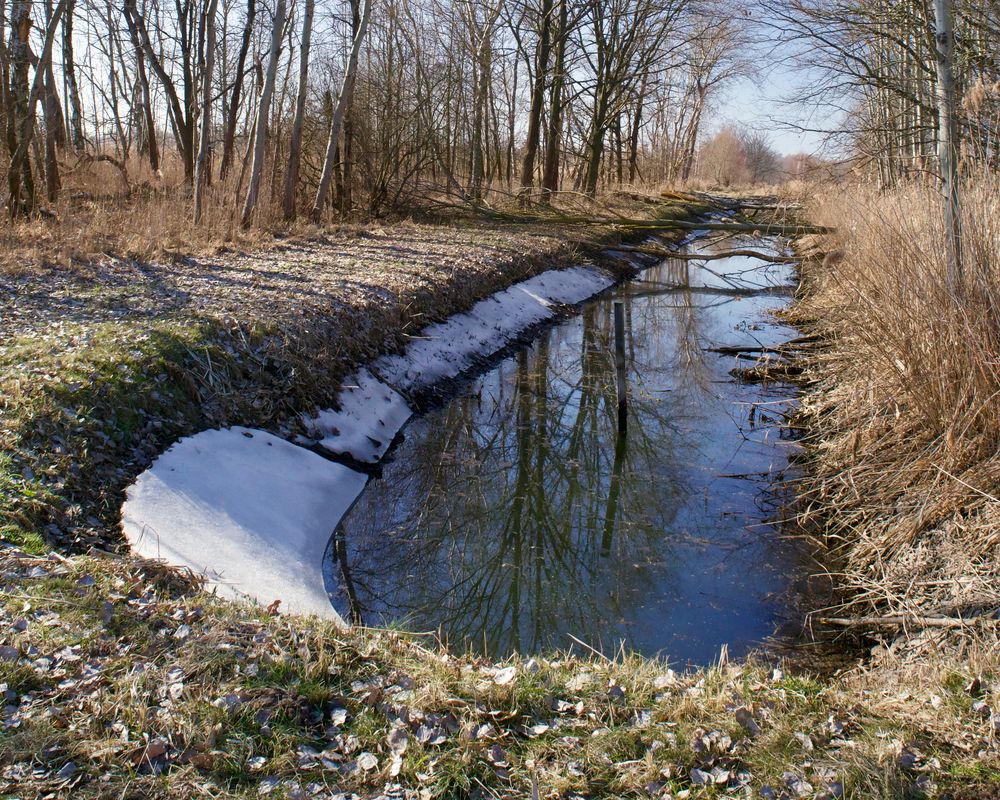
{"x": 104, "y": 367}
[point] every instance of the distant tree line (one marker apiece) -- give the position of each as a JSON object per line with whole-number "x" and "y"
{"x": 292, "y": 107}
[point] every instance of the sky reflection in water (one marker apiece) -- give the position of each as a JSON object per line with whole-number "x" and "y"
{"x": 514, "y": 518}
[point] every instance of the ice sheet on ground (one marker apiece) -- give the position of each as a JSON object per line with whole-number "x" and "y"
{"x": 445, "y": 350}
{"x": 370, "y": 416}
{"x": 251, "y": 512}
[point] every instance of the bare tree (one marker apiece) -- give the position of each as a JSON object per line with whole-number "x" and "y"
{"x": 295, "y": 143}
{"x": 762, "y": 161}
{"x": 537, "y": 95}
{"x": 203, "y": 169}
{"x": 337, "y": 117}
{"x": 947, "y": 144}
{"x": 232, "y": 120}
{"x": 263, "y": 112}
{"x": 22, "y": 101}
{"x": 183, "y": 113}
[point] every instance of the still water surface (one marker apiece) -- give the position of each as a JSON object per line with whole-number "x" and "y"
{"x": 515, "y": 518}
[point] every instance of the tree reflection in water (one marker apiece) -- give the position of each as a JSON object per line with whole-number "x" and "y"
{"x": 515, "y": 515}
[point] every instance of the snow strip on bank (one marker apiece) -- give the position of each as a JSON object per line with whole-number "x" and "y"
{"x": 370, "y": 416}
{"x": 447, "y": 349}
{"x": 251, "y": 512}
{"x": 254, "y": 513}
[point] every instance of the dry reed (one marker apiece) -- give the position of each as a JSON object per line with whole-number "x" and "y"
{"x": 905, "y": 414}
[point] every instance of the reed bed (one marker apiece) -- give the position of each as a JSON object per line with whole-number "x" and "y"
{"x": 904, "y": 413}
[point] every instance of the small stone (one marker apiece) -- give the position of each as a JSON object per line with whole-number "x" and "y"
{"x": 505, "y": 676}
{"x": 397, "y": 740}
{"x": 228, "y": 702}
{"x": 798, "y": 786}
{"x": 667, "y": 679}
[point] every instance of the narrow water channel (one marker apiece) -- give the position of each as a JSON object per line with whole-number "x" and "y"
{"x": 514, "y": 517}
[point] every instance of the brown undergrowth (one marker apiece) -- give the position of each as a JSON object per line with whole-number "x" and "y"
{"x": 110, "y": 208}
{"x": 904, "y": 409}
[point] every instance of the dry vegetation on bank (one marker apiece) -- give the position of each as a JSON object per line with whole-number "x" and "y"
{"x": 905, "y": 472}
{"x": 121, "y": 680}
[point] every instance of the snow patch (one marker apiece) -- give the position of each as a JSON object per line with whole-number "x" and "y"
{"x": 370, "y": 416}
{"x": 251, "y": 512}
{"x": 446, "y": 349}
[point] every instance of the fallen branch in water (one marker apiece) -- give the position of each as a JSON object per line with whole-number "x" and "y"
{"x": 735, "y": 291}
{"x": 666, "y": 253}
{"x": 739, "y": 350}
{"x": 798, "y": 343}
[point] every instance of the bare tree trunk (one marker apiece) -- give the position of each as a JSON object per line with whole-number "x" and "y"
{"x": 203, "y": 168}
{"x": 330, "y": 161}
{"x": 595, "y": 143}
{"x": 72, "y": 88}
{"x": 53, "y": 120}
{"x": 537, "y": 100}
{"x": 55, "y": 129}
{"x": 21, "y": 188}
{"x": 23, "y": 101}
{"x": 948, "y": 146}
{"x": 479, "y": 97}
{"x": 346, "y": 157}
{"x": 550, "y": 176}
{"x": 229, "y": 137}
{"x": 149, "y": 124}
{"x": 263, "y": 111}
{"x": 633, "y": 139}
{"x": 295, "y": 143}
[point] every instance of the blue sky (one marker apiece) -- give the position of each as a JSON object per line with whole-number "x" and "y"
{"x": 761, "y": 102}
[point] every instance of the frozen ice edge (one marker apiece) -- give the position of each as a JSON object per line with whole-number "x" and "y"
{"x": 253, "y": 513}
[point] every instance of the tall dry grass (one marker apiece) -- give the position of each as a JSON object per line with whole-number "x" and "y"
{"x": 100, "y": 211}
{"x": 907, "y": 408}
